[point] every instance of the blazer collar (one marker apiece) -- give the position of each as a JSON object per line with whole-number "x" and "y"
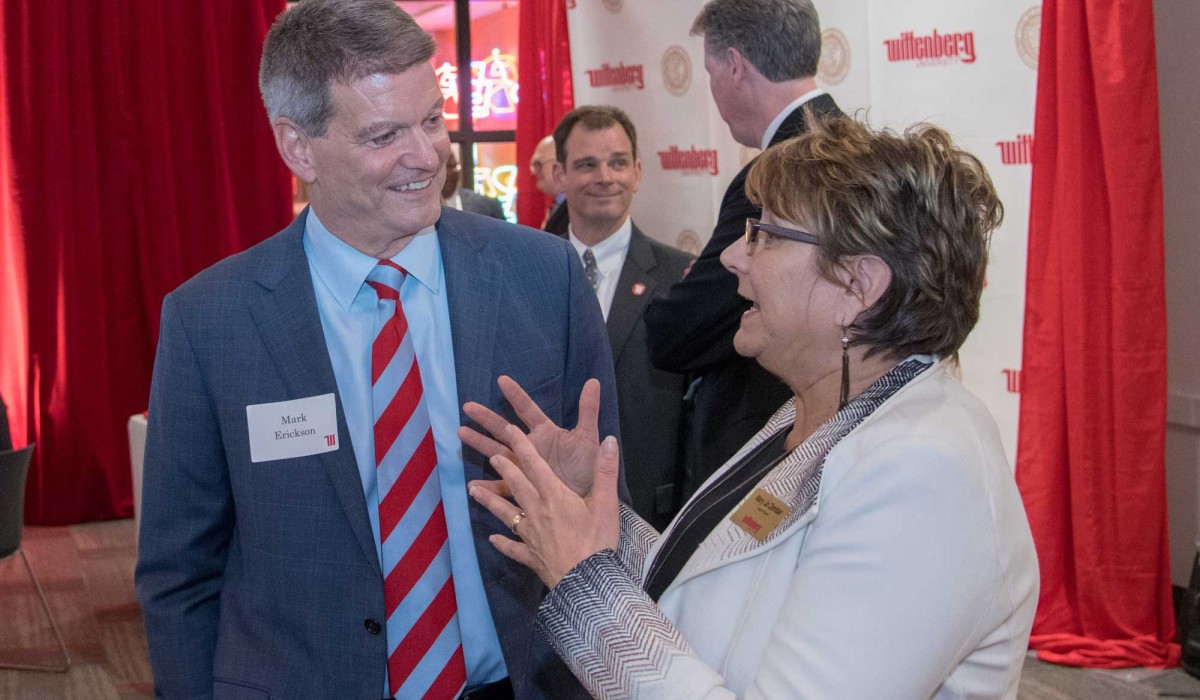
{"x": 796, "y": 480}
{"x": 473, "y": 283}
{"x": 795, "y": 125}
{"x": 290, "y": 325}
{"x": 628, "y": 306}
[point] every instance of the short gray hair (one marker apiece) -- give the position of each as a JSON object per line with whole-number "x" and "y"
{"x": 781, "y": 38}
{"x": 320, "y": 42}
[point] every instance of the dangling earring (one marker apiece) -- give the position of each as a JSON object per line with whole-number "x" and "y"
{"x": 845, "y": 370}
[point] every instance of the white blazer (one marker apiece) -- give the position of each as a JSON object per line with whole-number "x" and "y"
{"x": 911, "y": 575}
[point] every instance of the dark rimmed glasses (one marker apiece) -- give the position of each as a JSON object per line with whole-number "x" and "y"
{"x": 754, "y": 227}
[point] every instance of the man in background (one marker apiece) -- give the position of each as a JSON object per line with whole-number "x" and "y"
{"x": 464, "y": 199}
{"x": 306, "y": 531}
{"x": 542, "y": 166}
{"x": 598, "y": 171}
{"x": 5, "y": 434}
{"x": 761, "y": 56}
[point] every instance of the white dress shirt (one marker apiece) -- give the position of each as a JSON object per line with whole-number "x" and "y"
{"x": 778, "y": 120}
{"x": 610, "y": 258}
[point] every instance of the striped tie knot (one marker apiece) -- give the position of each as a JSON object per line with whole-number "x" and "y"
{"x": 386, "y": 279}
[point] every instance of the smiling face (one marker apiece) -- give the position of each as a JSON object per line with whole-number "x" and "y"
{"x": 793, "y": 325}
{"x": 599, "y": 178}
{"x": 377, "y": 173}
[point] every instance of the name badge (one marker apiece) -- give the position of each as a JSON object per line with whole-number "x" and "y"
{"x": 298, "y": 428}
{"x": 760, "y": 514}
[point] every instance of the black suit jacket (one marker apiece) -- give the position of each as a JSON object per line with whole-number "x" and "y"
{"x": 691, "y": 329}
{"x": 476, "y": 203}
{"x": 649, "y": 400}
{"x": 558, "y": 220}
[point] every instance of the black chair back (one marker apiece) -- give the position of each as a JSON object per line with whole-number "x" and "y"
{"x": 14, "y": 467}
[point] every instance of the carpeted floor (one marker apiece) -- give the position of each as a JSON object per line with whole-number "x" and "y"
{"x": 87, "y": 573}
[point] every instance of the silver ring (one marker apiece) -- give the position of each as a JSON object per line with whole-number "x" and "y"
{"x": 515, "y": 522}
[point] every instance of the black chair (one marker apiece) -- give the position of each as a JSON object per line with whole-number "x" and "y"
{"x": 14, "y": 467}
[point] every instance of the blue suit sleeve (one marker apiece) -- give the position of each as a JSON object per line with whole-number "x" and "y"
{"x": 187, "y": 519}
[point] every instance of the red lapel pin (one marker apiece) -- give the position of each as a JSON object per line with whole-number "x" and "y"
{"x": 639, "y": 289}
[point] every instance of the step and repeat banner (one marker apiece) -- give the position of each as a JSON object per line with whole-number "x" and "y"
{"x": 969, "y": 67}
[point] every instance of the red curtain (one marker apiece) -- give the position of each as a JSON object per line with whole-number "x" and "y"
{"x": 1090, "y": 459}
{"x": 545, "y": 59}
{"x": 14, "y": 337}
{"x": 142, "y": 154}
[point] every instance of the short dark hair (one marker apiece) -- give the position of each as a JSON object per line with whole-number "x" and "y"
{"x": 319, "y": 42}
{"x": 915, "y": 200}
{"x": 592, "y": 118}
{"x": 781, "y": 38}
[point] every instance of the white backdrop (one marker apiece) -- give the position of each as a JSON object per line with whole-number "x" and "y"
{"x": 966, "y": 66}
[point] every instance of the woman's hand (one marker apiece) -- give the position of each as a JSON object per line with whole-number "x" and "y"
{"x": 572, "y": 453}
{"x": 558, "y": 528}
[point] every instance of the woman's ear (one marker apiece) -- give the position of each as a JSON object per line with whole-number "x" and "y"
{"x": 866, "y": 278}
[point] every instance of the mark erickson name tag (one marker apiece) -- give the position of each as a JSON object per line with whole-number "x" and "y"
{"x": 292, "y": 428}
{"x": 760, "y": 514}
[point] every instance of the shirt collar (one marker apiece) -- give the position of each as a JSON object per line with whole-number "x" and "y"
{"x": 344, "y": 269}
{"x": 610, "y": 250}
{"x": 778, "y": 121}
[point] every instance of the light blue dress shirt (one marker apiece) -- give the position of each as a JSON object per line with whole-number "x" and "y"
{"x": 347, "y": 308}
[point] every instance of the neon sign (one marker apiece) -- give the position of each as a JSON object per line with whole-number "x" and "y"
{"x": 494, "y": 86}
{"x": 499, "y": 182}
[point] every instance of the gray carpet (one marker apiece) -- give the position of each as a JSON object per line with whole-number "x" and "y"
{"x": 1042, "y": 681}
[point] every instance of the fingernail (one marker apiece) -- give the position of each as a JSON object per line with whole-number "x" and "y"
{"x": 472, "y": 491}
{"x": 610, "y": 446}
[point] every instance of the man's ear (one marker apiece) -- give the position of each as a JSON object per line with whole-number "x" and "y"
{"x": 737, "y": 64}
{"x": 560, "y": 175}
{"x": 295, "y": 147}
{"x": 866, "y": 278}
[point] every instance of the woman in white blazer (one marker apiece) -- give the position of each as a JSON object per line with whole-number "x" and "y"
{"x": 870, "y": 541}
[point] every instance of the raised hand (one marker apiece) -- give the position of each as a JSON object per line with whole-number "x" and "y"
{"x": 558, "y": 528}
{"x": 571, "y": 454}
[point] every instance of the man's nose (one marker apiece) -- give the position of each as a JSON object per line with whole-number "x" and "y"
{"x": 422, "y": 152}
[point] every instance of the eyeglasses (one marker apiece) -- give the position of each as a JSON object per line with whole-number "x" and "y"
{"x": 754, "y": 227}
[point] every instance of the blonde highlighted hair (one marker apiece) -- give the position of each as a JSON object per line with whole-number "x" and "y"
{"x": 914, "y": 199}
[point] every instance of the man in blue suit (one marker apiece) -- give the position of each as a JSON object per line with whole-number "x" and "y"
{"x": 267, "y": 555}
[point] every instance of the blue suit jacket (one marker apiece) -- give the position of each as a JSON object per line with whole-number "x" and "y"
{"x": 257, "y": 580}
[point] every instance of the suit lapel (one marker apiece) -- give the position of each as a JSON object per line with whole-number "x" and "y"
{"x": 287, "y": 318}
{"x": 473, "y": 292}
{"x": 627, "y": 307}
{"x": 796, "y": 480}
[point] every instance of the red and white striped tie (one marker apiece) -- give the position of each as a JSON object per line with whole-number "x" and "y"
{"x": 425, "y": 657}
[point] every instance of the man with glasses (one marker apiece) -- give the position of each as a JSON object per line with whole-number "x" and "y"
{"x": 761, "y": 56}
{"x": 542, "y": 167}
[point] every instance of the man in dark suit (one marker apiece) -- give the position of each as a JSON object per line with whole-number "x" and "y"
{"x": 464, "y": 199}
{"x": 306, "y": 531}
{"x": 598, "y": 170}
{"x": 761, "y": 56}
{"x": 542, "y": 167}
